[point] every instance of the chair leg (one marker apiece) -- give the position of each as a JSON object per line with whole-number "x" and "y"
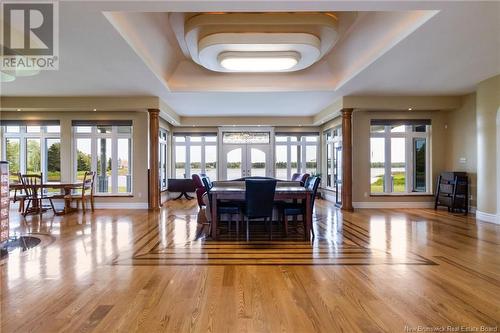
{"x": 92, "y": 203}
{"x": 285, "y": 223}
{"x": 270, "y": 228}
{"x": 229, "y": 223}
{"x": 27, "y": 208}
{"x": 247, "y": 229}
{"x": 40, "y": 209}
{"x": 237, "y": 222}
{"x": 83, "y": 205}
{"x": 52, "y": 205}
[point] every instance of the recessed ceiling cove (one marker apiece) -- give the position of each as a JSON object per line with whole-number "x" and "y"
{"x": 258, "y": 42}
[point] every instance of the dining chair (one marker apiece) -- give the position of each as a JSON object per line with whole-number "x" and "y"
{"x": 296, "y": 209}
{"x": 227, "y": 208}
{"x": 21, "y": 196}
{"x": 35, "y": 193}
{"x": 84, "y": 192}
{"x": 259, "y": 202}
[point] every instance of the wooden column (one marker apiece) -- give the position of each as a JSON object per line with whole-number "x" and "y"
{"x": 347, "y": 159}
{"x": 154, "y": 133}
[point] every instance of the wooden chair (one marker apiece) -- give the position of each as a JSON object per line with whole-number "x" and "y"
{"x": 87, "y": 191}
{"x": 19, "y": 195}
{"x": 35, "y": 193}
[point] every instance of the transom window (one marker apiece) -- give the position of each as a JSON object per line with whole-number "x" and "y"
{"x": 106, "y": 148}
{"x": 400, "y": 156}
{"x": 195, "y": 154}
{"x": 296, "y": 153}
{"x": 33, "y": 148}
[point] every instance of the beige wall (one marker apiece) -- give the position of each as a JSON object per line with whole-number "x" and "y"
{"x": 140, "y": 141}
{"x": 487, "y": 107}
{"x": 361, "y": 151}
{"x": 462, "y": 142}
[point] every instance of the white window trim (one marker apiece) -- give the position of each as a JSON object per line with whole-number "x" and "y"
{"x": 187, "y": 144}
{"x": 330, "y": 146}
{"x": 114, "y": 136}
{"x": 409, "y": 135}
{"x": 23, "y": 135}
{"x": 163, "y": 144}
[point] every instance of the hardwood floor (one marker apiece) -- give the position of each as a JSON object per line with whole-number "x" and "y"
{"x": 367, "y": 271}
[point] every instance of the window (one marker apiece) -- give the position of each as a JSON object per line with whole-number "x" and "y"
{"x": 163, "y": 159}
{"x": 32, "y": 148}
{"x": 399, "y": 156}
{"x": 333, "y": 140}
{"x": 104, "y": 147}
{"x": 195, "y": 154}
{"x": 295, "y": 153}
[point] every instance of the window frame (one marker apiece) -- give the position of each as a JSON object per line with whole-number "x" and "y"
{"x": 114, "y": 136}
{"x": 23, "y": 135}
{"x": 330, "y": 146}
{"x": 409, "y": 135}
{"x": 187, "y": 144}
{"x": 163, "y": 146}
{"x": 301, "y": 144}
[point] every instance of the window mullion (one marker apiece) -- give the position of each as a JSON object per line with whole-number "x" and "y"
{"x": 114, "y": 160}
{"x": 387, "y": 164}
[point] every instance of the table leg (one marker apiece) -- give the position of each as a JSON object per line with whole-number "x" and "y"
{"x": 307, "y": 231}
{"x": 67, "y": 202}
{"x": 214, "y": 215}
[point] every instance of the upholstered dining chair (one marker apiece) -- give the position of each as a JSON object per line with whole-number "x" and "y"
{"x": 300, "y": 177}
{"x": 227, "y": 208}
{"x": 199, "y": 188}
{"x": 84, "y": 192}
{"x": 259, "y": 202}
{"x": 286, "y": 209}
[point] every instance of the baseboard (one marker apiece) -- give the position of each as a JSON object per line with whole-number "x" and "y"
{"x": 394, "y": 204}
{"x": 487, "y": 217}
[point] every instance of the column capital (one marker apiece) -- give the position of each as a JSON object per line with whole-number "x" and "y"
{"x": 154, "y": 111}
{"x": 346, "y": 112}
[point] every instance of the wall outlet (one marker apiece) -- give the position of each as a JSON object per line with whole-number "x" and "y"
{"x": 462, "y": 160}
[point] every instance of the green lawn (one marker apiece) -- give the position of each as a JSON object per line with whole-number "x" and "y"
{"x": 399, "y": 183}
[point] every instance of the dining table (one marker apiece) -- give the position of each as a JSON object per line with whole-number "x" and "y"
{"x": 64, "y": 187}
{"x": 232, "y": 192}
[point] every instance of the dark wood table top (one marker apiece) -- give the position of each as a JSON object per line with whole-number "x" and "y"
{"x": 280, "y": 189}
{"x": 19, "y": 186}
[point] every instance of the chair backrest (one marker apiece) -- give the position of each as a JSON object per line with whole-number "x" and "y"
{"x": 208, "y": 186}
{"x": 259, "y": 197}
{"x": 300, "y": 177}
{"x": 88, "y": 182}
{"x": 32, "y": 184}
{"x": 197, "y": 180}
{"x": 312, "y": 185}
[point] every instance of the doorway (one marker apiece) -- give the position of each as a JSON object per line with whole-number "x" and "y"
{"x": 245, "y": 154}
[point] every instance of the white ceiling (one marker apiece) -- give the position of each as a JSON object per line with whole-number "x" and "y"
{"x": 407, "y": 47}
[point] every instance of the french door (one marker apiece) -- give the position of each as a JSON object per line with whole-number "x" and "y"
{"x": 244, "y": 160}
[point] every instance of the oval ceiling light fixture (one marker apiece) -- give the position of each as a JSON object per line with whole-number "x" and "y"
{"x": 259, "y": 42}
{"x": 258, "y": 61}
